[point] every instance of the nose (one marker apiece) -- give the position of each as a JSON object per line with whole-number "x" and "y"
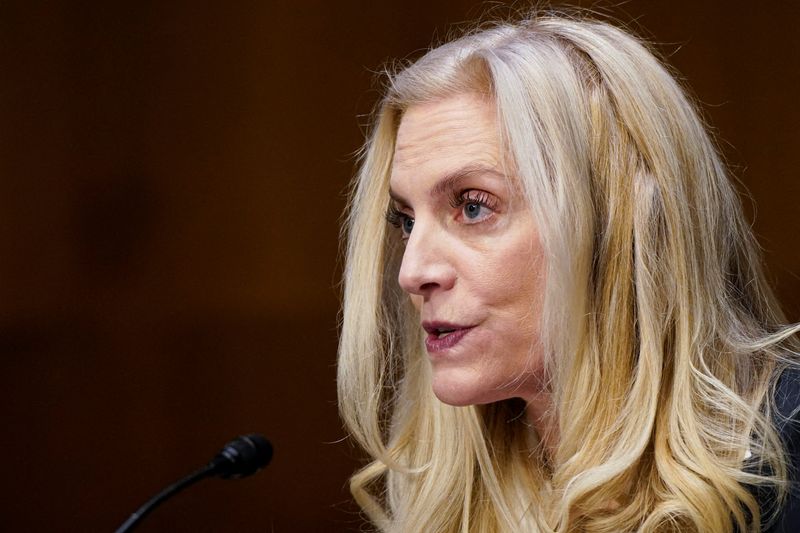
{"x": 425, "y": 268}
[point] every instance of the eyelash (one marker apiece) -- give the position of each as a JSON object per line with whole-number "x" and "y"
{"x": 472, "y": 196}
{"x": 395, "y": 217}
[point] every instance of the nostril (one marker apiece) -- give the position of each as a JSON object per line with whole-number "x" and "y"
{"x": 428, "y": 286}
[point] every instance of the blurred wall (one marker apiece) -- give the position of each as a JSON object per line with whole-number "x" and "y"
{"x": 172, "y": 176}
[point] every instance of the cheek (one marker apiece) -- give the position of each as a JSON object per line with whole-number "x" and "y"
{"x": 511, "y": 277}
{"x": 512, "y": 290}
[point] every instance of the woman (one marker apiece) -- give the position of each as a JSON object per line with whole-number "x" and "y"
{"x": 568, "y": 329}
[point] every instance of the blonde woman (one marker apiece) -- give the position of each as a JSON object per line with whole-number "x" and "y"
{"x": 564, "y": 325}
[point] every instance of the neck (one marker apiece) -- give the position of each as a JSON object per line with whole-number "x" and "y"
{"x": 541, "y": 416}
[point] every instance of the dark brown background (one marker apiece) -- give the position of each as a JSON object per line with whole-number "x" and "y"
{"x": 171, "y": 182}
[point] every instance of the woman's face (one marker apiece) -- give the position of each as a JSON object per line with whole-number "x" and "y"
{"x": 473, "y": 263}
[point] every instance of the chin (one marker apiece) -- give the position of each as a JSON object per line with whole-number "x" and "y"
{"x": 457, "y": 389}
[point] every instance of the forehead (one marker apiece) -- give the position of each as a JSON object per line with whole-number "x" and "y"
{"x": 453, "y": 130}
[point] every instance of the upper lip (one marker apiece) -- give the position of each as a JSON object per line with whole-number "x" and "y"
{"x": 436, "y": 327}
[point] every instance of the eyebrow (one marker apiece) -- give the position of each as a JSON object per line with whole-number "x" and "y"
{"x": 450, "y": 180}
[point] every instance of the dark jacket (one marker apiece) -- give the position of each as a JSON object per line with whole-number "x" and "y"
{"x": 787, "y": 421}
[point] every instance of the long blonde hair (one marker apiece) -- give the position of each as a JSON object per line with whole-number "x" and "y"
{"x": 662, "y": 338}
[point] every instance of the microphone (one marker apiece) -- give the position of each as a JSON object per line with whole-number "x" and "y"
{"x": 241, "y": 457}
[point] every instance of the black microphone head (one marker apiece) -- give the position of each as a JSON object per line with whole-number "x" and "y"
{"x": 243, "y": 456}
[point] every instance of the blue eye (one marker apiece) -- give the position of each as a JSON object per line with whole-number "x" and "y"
{"x": 408, "y": 225}
{"x": 475, "y": 205}
{"x": 472, "y": 210}
{"x": 400, "y": 220}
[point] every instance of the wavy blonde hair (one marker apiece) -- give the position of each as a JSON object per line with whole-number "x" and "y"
{"x": 662, "y": 338}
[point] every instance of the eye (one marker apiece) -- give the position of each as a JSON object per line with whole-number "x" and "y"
{"x": 398, "y": 219}
{"x": 407, "y": 225}
{"x": 476, "y": 206}
{"x": 472, "y": 210}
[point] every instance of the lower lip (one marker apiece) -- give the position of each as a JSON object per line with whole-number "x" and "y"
{"x": 434, "y": 344}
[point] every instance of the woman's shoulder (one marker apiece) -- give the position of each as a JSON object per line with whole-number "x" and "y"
{"x": 786, "y": 418}
{"x": 787, "y": 409}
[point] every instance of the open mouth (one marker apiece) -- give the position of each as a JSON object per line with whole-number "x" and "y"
{"x": 443, "y": 336}
{"x": 442, "y": 333}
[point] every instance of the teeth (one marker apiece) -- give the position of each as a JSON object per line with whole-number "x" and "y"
{"x": 443, "y": 334}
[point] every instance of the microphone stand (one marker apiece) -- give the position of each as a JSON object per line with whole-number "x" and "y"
{"x": 241, "y": 457}
{"x": 155, "y": 501}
